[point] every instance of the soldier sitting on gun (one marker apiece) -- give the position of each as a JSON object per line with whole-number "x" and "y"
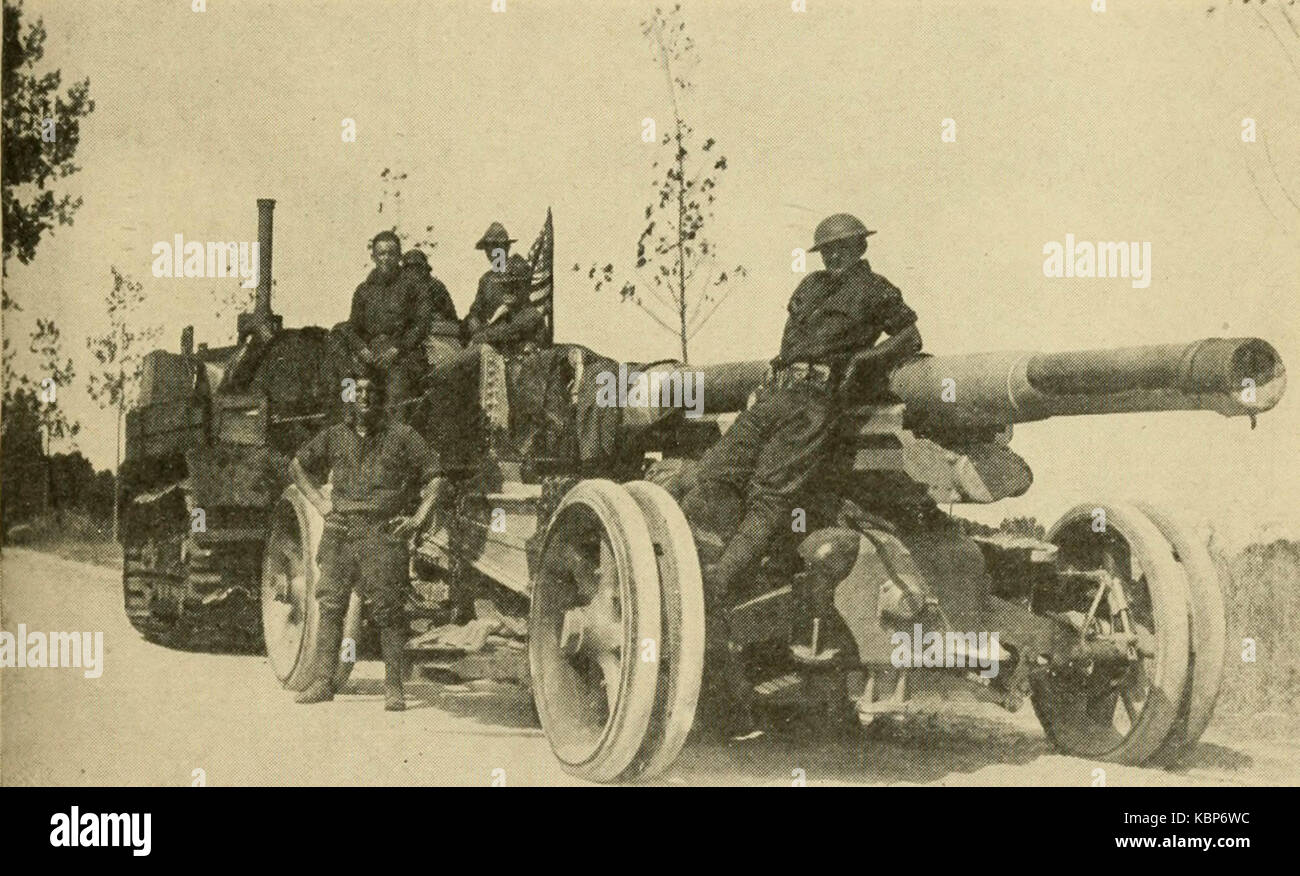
{"x": 386, "y": 332}
{"x": 828, "y": 353}
{"x": 376, "y": 466}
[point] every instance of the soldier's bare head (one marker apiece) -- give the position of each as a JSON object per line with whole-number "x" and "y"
{"x": 368, "y": 400}
{"x": 386, "y": 251}
{"x": 840, "y": 254}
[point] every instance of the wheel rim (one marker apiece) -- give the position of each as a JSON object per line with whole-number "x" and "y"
{"x": 681, "y": 666}
{"x": 595, "y": 601}
{"x": 284, "y": 591}
{"x": 1209, "y": 627}
{"x": 1121, "y": 714}
{"x": 290, "y": 616}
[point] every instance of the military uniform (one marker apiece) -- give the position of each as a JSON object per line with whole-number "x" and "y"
{"x": 389, "y": 313}
{"x": 501, "y": 315}
{"x": 446, "y": 334}
{"x": 374, "y": 478}
{"x": 772, "y": 449}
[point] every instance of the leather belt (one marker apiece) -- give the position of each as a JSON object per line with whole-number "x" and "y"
{"x": 816, "y": 373}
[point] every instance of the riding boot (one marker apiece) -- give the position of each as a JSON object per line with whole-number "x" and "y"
{"x": 393, "y": 642}
{"x": 728, "y": 691}
{"x": 735, "y": 691}
{"x": 326, "y": 659}
{"x": 744, "y": 549}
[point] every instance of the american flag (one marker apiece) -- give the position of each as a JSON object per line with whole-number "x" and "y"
{"x": 541, "y": 290}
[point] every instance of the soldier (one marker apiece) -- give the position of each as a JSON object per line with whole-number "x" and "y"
{"x": 828, "y": 353}
{"x": 389, "y": 324}
{"x": 513, "y": 325}
{"x": 495, "y": 244}
{"x": 376, "y": 465}
{"x": 445, "y": 329}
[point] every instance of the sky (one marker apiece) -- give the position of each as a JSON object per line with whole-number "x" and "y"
{"x": 1117, "y": 126}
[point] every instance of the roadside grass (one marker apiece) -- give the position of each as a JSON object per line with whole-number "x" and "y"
{"x": 1261, "y": 591}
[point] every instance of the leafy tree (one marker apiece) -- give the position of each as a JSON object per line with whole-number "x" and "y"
{"x": 120, "y": 354}
{"x": 676, "y": 279}
{"x": 55, "y": 367}
{"x": 41, "y": 134}
{"x": 55, "y": 374}
{"x": 22, "y": 465}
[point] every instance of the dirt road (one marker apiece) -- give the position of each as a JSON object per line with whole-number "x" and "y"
{"x": 155, "y": 716}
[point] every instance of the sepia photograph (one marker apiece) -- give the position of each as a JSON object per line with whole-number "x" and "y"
{"x": 785, "y": 393}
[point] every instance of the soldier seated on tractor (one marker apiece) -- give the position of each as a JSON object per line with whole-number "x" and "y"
{"x": 445, "y": 340}
{"x": 513, "y": 325}
{"x": 828, "y": 355}
{"x": 501, "y": 314}
{"x": 376, "y": 465}
{"x": 389, "y": 324}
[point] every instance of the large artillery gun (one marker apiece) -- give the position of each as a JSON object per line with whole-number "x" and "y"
{"x": 564, "y": 562}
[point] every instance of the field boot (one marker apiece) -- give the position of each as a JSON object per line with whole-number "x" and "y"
{"x": 727, "y": 690}
{"x": 326, "y": 659}
{"x": 733, "y": 690}
{"x": 392, "y": 641}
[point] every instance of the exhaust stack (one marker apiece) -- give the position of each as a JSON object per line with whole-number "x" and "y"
{"x": 262, "y": 320}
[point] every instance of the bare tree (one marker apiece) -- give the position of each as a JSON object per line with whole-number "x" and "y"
{"x": 232, "y": 300}
{"x": 676, "y": 280}
{"x": 120, "y": 354}
{"x": 390, "y": 202}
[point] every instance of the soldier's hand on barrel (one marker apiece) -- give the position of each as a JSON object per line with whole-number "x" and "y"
{"x": 388, "y": 357}
{"x": 366, "y": 356}
{"x": 860, "y": 366}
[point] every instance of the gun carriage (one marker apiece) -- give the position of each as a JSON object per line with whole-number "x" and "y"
{"x": 565, "y": 563}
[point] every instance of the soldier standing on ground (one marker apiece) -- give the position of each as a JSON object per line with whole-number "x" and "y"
{"x": 389, "y": 323}
{"x": 376, "y": 465}
{"x": 828, "y": 352}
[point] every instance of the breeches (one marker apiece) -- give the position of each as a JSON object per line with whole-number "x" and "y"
{"x": 768, "y": 455}
{"x": 360, "y": 556}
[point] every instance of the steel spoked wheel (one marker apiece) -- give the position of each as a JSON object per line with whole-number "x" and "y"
{"x": 1115, "y": 685}
{"x": 594, "y": 617}
{"x": 1208, "y": 634}
{"x": 290, "y": 619}
{"x": 681, "y": 657}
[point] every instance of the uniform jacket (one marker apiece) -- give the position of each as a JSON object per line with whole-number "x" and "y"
{"x": 398, "y": 311}
{"x": 834, "y": 316}
{"x": 442, "y": 310}
{"x": 379, "y": 474}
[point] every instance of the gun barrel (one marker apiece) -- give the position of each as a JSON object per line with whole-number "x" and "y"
{"x": 983, "y": 391}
